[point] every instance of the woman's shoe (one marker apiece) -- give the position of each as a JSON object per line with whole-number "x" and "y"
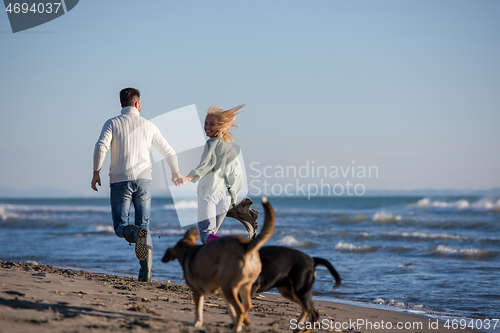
{"x": 212, "y": 237}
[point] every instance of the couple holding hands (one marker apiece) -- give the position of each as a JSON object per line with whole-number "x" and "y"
{"x": 219, "y": 175}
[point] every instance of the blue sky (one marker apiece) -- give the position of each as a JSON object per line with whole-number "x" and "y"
{"x": 411, "y": 87}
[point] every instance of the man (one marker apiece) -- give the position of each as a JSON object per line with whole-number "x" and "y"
{"x": 129, "y": 136}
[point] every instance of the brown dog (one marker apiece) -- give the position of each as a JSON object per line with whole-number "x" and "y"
{"x": 229, "y": 264}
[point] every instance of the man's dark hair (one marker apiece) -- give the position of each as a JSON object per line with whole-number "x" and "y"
{"x": 129, "y": 96}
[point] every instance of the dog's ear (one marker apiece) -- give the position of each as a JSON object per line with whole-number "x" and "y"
{"x": 169, "y": 255}
{"x": 192, "y": 235}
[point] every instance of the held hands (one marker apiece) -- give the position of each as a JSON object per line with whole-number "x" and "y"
{"x": 188, "y": 179}
{"x": 177, "y": 179}
{"x": 180, "y": 180}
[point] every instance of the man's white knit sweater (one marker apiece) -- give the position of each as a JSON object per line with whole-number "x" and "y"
{"x": 130, "y": 137}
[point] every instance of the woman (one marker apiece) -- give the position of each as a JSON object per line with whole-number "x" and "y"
{"x": 219, "y": 172}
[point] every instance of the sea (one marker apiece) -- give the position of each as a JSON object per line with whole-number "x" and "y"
{"x": 437, "y": 256}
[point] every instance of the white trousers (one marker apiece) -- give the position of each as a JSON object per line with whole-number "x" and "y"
{"x": 212, "y": 210}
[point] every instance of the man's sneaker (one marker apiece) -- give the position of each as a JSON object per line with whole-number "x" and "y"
{"x": 141, "y": 245}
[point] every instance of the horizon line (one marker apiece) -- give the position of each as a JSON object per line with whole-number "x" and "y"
{"x": 368, "y": 193}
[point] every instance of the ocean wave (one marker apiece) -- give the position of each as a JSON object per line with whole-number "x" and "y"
{"x": 6, "y": 215}
{"x": 423, "y": 235}
{"x": 442, "y": 250}
{"x": 411, "y": 264}
{"x": 386, "y": 217}
{"x": 351, "y": 219}
{"x": 341, "y": 246}
{"x": 392, "y": 302}
{"x": 27, "y": 209}
{"x": 482, "y": 205}
{"x": 105, "y": 229}
{"x": 405, "y": 235}
{"x": 227, "y": 232}
{"x": 292, "y": 242}
{"x": 288, "y": 241}
{"x": 185, "y": 204}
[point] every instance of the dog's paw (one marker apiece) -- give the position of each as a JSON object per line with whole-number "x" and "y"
{"x": 197, "y": 323}
{"x": 233, "y": 327}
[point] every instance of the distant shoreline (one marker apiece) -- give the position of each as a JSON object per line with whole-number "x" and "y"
{"x": 40, "y": 194}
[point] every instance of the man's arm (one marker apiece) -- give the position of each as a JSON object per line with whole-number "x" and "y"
{"x": 96, "y": 179}
{"x": 100, "y": 149}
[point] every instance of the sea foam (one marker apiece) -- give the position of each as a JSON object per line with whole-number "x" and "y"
{"x": 6, "y": 215}
{"x": 341, "y": 246}
{"x": 289, "y": 241}
{"x": 104, "y": 228}
{"x": 481, "y": 205}
{"x": 393, "y": 302}
{"x": 185, "y": 204}
{"x": 422, "y": 235}
{"x": 14, "y": 211}
{"x": 465, "y": 253}
{"x": 386, "y": 217}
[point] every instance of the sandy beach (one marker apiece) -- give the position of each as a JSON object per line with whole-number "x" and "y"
{"x": 41, "y": 298}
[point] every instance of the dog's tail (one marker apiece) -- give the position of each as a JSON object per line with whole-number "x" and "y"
{"x": 267, "y": 231}
{"x": 327, "y": 264}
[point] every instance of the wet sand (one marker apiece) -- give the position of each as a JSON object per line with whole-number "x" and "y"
{"x": 40, "y": 298}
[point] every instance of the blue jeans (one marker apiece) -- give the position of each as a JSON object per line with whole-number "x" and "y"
{"x": 123, "y": 195}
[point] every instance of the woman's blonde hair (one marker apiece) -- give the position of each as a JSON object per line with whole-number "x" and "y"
{"x": 225, "y": 118}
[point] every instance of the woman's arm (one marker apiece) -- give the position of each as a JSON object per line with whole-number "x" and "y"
{"x": 207, "y": 163}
